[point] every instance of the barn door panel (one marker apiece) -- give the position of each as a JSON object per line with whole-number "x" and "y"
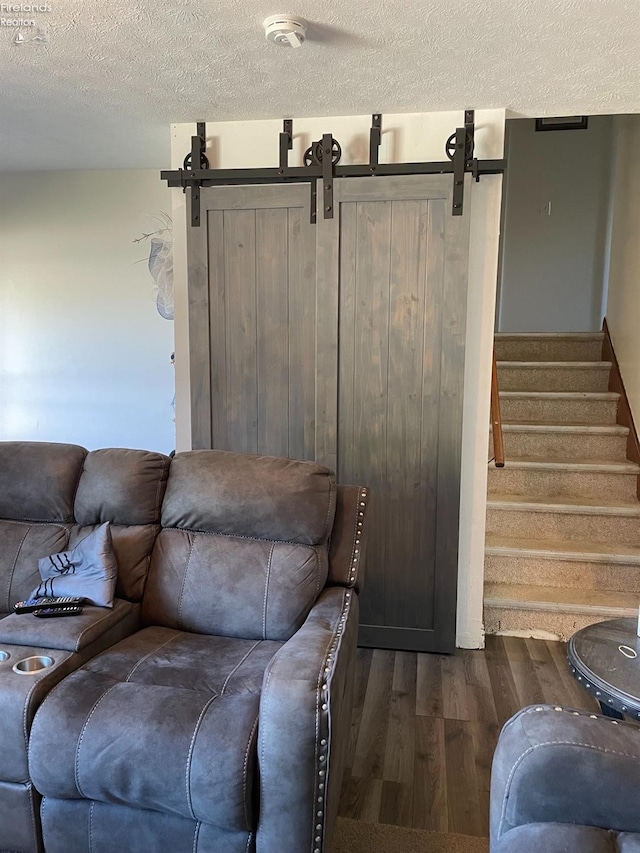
{"x": 403, "y": 278}
{"x": 253, "y": 324}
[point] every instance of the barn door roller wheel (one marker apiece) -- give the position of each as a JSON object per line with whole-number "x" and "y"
{"x": 313, "y": 154}
{"x": 450, "y": 147}
{"x": 204, "y": 162}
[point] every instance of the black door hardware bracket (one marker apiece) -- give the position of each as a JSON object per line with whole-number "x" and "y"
{"x": 321, "y": 163}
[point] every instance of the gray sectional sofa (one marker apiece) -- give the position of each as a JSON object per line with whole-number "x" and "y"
{"x": 209, "y": 710}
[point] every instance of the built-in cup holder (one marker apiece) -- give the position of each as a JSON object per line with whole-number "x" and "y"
{"x": 4, "y": 656}
{"x": 32, "y": 665}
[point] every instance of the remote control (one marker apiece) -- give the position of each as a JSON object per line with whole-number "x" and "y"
{"x": 38, "y": 603}
{"x": 47, "y": 612}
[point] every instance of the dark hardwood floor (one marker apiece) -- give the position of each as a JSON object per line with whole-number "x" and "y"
{"x": 425, "y": 728}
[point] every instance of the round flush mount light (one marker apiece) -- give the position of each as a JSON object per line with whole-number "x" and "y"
{"x": 285, "y": 30}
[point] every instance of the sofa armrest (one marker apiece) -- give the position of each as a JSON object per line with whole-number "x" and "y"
{"x": 347, "y": 544}
{"x": 304, "y": 725}
{"x": 73, "y": 633}
{"x": 558, "y": 765}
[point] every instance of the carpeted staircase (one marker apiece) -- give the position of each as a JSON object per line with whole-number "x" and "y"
{"x": 563, "y": 517}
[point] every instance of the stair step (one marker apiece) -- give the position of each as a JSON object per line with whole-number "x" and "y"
{"x": 528, "y": 611}
{"x": 579, "y": 565}
{"x": 540, "y": 477}
{"x": 546, "y": 518}
{"x": 578, "y": 346}
{"x": 553, "y": 375}
{"x": 515, "y": 596}
{"x": 565, "y": 441}
{"x": 586, "y": 551}
{"x": 555, "y": 407}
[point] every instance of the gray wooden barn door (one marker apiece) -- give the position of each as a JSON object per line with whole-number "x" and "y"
{"x": 344, "y": 342}
{"x": 263, "y": 343}
{"x": 403, "y": 293}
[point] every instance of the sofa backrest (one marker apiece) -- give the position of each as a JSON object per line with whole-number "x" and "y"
{"x": 38, "y": 482}
{"x": 243, "y": 546}
{"x": 52, "y": 495}
{"x": 126, "y": 488}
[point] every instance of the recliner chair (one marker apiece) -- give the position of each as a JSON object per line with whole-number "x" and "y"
{"x": 565, "y": 781}
{"x": 223, "y": 725}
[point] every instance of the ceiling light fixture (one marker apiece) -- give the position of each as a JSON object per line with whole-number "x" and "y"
{"x": 285, "y": 30}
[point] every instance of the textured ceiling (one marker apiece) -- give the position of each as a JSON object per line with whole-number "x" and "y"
{"x": 113, "y": 75}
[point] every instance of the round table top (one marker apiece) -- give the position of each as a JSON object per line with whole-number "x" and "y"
{"x": 605, "y": 658}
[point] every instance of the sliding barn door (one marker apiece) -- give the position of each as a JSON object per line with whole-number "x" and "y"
{"x": 403, "y": 291}
{"x": 344, "y": 342}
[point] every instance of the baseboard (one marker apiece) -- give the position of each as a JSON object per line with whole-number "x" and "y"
{"x": 625, "y": 417}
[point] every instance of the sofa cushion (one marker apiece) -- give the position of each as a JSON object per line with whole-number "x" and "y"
{"x": 189, "y": 743}
{"x": 88, "y": 570}
{"x": 75, "y": 826}
{"x": 126, "y": 488}
{"x": 38, "y": 480}
{"x": 560, "y": 838}
{"x": 243, "y": 552}
{"x": 232, "y": 585}
{"x": 22, "y": 544}
{"x": 121, "y": 486}
{"x": 240, "y": 494}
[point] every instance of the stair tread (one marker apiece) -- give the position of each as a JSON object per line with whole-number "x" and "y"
{"x": 528, "y": 597}
{"x": 556, "y": 365}
{"x": 565, "y": 549}
{"x": 561, "y": 395}
{"x": 603, "y": 465}
{"x": 549, "y": 336}
{"x": 565, "y": 428}
{"x": 565, "y": 504}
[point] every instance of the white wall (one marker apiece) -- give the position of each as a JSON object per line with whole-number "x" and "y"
{"x": 483, "y": 274}
{"x": 406, "y": 137}
{"x": 84, "y": 354}
{"x": 623, "y": 301}
{"x": 553, "y": 258}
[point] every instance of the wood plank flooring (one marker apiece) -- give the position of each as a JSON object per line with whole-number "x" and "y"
{"x": 425, "y": 727}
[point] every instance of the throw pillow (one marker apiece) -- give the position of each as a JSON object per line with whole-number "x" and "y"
{"x": 88, "y": 570}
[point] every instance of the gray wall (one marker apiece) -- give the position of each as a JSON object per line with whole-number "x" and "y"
{"x": 552, "y": 265}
